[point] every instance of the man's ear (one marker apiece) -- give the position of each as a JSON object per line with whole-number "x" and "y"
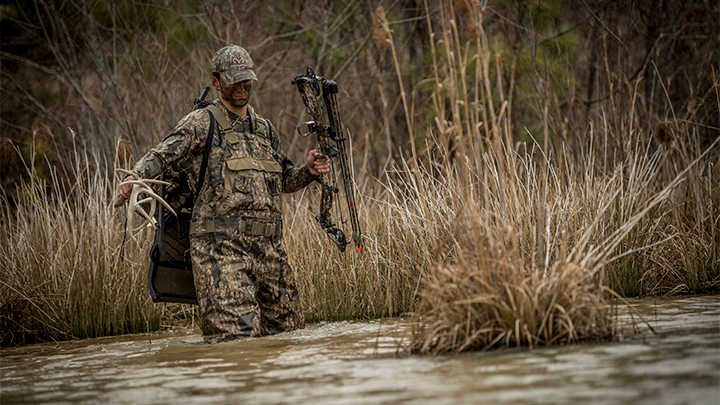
{"x": 215, "y": 83}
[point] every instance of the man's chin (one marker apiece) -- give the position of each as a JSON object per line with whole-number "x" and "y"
{"x": 236, "y": 103}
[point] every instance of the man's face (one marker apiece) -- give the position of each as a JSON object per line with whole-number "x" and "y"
{"x": 237, "y": 94}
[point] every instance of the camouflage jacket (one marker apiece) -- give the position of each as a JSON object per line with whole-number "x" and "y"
{"x": 244, "y": 178}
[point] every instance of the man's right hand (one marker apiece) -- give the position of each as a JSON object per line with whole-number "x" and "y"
{"x": 126, "y": 188}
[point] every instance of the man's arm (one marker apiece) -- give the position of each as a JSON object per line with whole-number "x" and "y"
{"x": 187, "y": 137}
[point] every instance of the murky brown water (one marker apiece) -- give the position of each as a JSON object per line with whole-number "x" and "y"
{"x": 351, "y": 363}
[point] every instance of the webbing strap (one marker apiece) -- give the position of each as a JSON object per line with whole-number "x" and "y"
{"x": 206, "y": 156}
{"x": 225, "y": 126}
{"x": 224, "y": 204}
{"x": 262, "y": 131}
{"x": 258, "y": 228}
{"x": 249, "y": 226}
{"x": 203, "y": 226}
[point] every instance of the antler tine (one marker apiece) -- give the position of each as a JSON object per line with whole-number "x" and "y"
{"x": 147, "y": 181}
{"x": 141, "y": 186}
{"x": 135, "y": 208}
{"x": 150, "y": 193}
{"x": 128, "y": 172}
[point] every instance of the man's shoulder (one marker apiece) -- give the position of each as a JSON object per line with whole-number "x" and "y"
{"x": 196, "y": 119}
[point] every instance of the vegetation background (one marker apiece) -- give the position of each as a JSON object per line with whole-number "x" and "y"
{"x": 500, "y": 145}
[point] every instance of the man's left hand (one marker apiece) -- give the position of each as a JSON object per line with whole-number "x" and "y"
{"x": 317, "y": 165}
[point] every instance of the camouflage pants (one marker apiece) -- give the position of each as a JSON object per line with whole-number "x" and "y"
{"x": 244, "y": 283}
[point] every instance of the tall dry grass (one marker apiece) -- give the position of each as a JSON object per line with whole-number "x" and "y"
{"x": 67, "y": 268}
{"x": 538, "y": 246}
{"x": 485, "y": 240}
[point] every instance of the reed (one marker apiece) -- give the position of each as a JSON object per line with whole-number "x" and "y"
{"x": 492, "y": 215}
{"x": 538, "y": 246}
{"x": 65, "y": 271}
{"x": 384, "y": 280}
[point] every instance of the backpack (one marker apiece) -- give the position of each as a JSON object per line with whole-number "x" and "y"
{"x": 170, "y": 277}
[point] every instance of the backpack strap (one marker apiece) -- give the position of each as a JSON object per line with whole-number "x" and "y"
{"x": 225, "y": 127}
{"x": 206, "y": 157}
{"x": 263, "y": 130}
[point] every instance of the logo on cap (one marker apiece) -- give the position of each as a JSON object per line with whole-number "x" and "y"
{"x": 237, "y": 62}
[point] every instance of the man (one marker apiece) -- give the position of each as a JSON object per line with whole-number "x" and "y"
{"x": 244, "y": 283}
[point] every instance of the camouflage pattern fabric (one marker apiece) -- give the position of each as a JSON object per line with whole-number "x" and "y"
{"x": 244, "y": 282}
{"x": 234, "y": 64}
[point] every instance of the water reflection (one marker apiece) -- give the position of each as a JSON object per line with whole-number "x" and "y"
{"x": 346, "y": 362}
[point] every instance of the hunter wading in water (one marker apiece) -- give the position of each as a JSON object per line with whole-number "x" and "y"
{"x": 245, "y": 285}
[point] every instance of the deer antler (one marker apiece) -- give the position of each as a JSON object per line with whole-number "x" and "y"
{"x": 134, "y": 206}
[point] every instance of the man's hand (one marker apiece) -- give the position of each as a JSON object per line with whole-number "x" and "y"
{"x": 316, "y": 165}
{"x": 125, "y": 188}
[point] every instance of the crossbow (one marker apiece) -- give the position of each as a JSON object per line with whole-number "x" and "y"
{"x": 319, "y": 96}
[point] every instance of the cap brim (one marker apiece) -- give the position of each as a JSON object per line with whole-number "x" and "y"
{"x": 238, "y": 76}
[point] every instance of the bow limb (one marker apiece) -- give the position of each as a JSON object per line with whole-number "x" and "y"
{"x": 337, "y": 134}
{"x": 336, "y": 234}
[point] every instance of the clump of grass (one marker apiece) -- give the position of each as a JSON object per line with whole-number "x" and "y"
{"x": 64, "y": 273}
{"x": 490, "y": 296}
{"x": 494, "y": 282}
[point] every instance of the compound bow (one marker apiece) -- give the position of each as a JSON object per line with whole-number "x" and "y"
{"x": 319, "y": 97}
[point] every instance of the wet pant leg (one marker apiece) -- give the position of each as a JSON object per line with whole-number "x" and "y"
{"x": 225, "y": 288}
{"x": 280, "y": 306}
{"x": 245, "y": 286}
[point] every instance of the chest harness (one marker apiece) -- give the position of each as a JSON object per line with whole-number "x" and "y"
{"x": 170, "y": 277}
{"x": 269, "y": 165}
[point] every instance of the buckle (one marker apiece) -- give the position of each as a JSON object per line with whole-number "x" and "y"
{"x": 202, "y": 226}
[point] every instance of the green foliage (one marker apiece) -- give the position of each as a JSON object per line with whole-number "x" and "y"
{"x": 542, "y": 14}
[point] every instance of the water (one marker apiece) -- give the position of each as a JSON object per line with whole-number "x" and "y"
{"x": 351, "y": 363}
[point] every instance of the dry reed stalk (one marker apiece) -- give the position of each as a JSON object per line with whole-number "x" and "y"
{"x": 530, "y": 264}
{"x": 61, "y": 260}
{"x": 531, "y": 202}
{"x": 388, "y": 39}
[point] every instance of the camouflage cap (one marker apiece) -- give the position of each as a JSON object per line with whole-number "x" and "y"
{"x": 234, "y": 64}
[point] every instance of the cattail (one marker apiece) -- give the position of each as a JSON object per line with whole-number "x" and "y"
{"x": 462, "y": 7}
{"x": 472, "y": 29}
{"x": 664, "y": 132}
{"x": 87, "y": 169}
{"x": 380, "y": 27}
{"x": 7, "y": 152}
{"x": 124, "y": 156}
